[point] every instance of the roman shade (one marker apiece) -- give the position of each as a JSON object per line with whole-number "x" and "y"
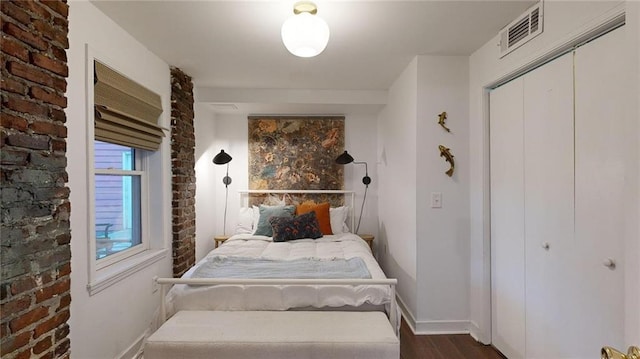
{"x": 126, "y": 113}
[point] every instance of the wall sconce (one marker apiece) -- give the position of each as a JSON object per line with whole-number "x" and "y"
{"x": 223, "y": 158}
{"x": 304, "y": 34}
{"x": 346, "y": 158}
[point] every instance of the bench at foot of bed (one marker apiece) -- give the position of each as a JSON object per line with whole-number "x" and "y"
{"x": 273, "y": 334}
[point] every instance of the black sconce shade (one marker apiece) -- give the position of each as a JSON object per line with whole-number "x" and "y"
{"x": 344, "y": 158}
{"x": 222, "y": 158}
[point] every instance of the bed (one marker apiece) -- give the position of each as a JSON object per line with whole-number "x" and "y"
{"x": 255, "y": 271}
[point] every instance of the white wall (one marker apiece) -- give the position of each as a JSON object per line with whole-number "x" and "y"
{"x": 563, "y": 22}
{"x": 230, "y": 132}
{"x": 206, "y": 209}
{"x": 632, "y": 265}
{"x": 110, "y": 323}
{"x": 442, "y": 233}
{"x": 397, "y": 188}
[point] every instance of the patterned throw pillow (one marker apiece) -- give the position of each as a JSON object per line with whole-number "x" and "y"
{"x": 302, "y": 226}
{"x": 264, "y": 227}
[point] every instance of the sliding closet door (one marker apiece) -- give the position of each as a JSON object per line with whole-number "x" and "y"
{"x": 602, "y": 159}
{"x": 507, "y": 219}
{"x": 549, "y": 200}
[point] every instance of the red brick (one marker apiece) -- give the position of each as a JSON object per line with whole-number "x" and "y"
{"x": 58, "y": 145}
{"x": 26, "y": 354}
{"x": 59, "y": 53}
{"x": 50, "y": 64}
{"x": 58, "y": 6}
{"x": 35, "y": 8}
{"x": 14, "y": 48}
{"x": 36, "y": 75}
{"x": 20, "y": 105}
{"x": 42, "y": 345}
{"x": 51, "y": 324}
{"x": 14, "y": 342}
{"x": 48, "y": 96}
{"x": 65, "y": 302}
{"x": 63, "y": 348}
{"x": 28, "y": 318}
{"x": 58, "y": 115}
{"x": 24, "y": 36}
{"x": 13, "y": 122}
{"x": 22, "y": 285}
{"x": 54, "y": 33}
{"x": 64, "y": 270}
{"x": 49, "y": 292}
{"x": 34, "y": 142}
{"x": 15, "y": 12}
{"x": 16, "y": 305}
{"x": 12, "y": 85}
{"x": 61, "y": 331}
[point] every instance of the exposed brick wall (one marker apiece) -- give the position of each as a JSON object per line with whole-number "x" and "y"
{"x": 35, "y": 235}
{"x": 183, "y": 182}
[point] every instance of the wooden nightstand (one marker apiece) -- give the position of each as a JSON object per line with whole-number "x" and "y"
{"x": 369, "y": 238}
{"x": 220, "y": 239}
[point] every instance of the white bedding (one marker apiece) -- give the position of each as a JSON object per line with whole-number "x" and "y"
{"x": 284, "y": 297}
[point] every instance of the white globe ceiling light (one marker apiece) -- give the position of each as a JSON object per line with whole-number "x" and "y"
{"x": 305, "y": 34}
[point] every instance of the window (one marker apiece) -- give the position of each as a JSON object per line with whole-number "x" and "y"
{"x": 118, "y": 199}
{"x": 125, "y": 148}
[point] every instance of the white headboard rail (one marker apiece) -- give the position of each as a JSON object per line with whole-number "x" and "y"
{"x": 244, "y": 197}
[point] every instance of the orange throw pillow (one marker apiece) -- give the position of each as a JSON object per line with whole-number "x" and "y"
{"x": 322, "y": 214}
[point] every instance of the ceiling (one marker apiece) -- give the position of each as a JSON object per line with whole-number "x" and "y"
{"x": 236, "y": 44}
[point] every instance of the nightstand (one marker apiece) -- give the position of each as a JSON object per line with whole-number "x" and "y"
{"x": 220, "y": 239}
{"x": 369, "y": 238}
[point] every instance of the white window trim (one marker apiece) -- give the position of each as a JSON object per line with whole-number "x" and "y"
{"x": 114, "y": 268}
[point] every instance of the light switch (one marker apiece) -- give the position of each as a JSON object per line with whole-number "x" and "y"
{"x": 436, "y": 199}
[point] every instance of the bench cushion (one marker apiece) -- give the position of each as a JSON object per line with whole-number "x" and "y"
{"x": 273, "y": 334}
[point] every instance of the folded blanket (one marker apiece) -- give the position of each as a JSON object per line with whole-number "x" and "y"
{"x": 244, "y": 267}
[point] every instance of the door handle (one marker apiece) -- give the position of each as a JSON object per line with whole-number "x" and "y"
{"x": 611, "y": 353}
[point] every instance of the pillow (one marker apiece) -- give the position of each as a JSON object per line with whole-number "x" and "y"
{"x": 245, "y": 221}
{"x": 322, "y": 214}
{"x": 298, "y": 227}
{"x": 266, "y": 212}
{"x": 338, "y": 217}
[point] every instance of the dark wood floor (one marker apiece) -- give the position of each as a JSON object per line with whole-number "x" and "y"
{"x": 454, "y": 346}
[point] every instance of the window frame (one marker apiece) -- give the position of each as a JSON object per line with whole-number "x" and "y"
{"x": 141, "y": 165}
{"x": 121, "y": 265}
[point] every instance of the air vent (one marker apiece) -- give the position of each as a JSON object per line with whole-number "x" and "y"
{"x": 524, "y": 28}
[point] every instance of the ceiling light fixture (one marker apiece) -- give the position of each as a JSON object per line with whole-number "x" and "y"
{"x": 305, "y": 34}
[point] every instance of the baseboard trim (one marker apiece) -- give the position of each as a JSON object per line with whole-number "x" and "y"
{"x": 429, "y": 327}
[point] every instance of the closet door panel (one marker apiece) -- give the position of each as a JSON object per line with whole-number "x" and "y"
{"x": 549, "y": 211}
{"x": 507, "y": 216}
{"x": 601, "y": 161}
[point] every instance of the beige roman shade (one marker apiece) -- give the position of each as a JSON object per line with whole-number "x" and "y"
{"x": 126, "y": 112}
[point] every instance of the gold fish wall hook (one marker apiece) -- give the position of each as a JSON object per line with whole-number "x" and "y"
{"x": 448, "y": 157}
{"x": 441, "y": 119}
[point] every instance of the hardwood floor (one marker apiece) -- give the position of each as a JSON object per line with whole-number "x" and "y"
{"x": 454, "y": 346}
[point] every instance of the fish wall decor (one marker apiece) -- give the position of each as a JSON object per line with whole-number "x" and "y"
{"x": 448, "y": 157}
{"x": 441, "y": 119}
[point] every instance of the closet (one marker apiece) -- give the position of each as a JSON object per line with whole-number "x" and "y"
{"x": 558, "y": 153}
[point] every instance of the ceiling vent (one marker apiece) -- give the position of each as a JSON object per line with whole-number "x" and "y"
{"x": 524, "y": 28}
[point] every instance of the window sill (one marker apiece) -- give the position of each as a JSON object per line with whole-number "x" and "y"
{"x": 106, "y": 277}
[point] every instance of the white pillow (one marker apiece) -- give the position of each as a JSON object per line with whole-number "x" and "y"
{"x": 245, "y": 221}
{"x": 338, "y": 218}
{"x": 255, "y": 217}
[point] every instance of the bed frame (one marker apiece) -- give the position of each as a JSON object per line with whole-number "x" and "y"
{"x": 245, "y": 195}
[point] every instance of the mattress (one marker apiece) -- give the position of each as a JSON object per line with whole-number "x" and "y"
{"x": 285, "y": 297}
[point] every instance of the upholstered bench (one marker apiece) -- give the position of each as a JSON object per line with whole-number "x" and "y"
{"x": 273, "y": 334}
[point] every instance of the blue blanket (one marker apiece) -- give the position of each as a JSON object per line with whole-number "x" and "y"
{"x": 243, "y": 267}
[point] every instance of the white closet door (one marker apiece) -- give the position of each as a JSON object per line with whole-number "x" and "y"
{"x": 602, "y": 158}
{"x": 507, "y": 216}
{"x": 549, "y": 201}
